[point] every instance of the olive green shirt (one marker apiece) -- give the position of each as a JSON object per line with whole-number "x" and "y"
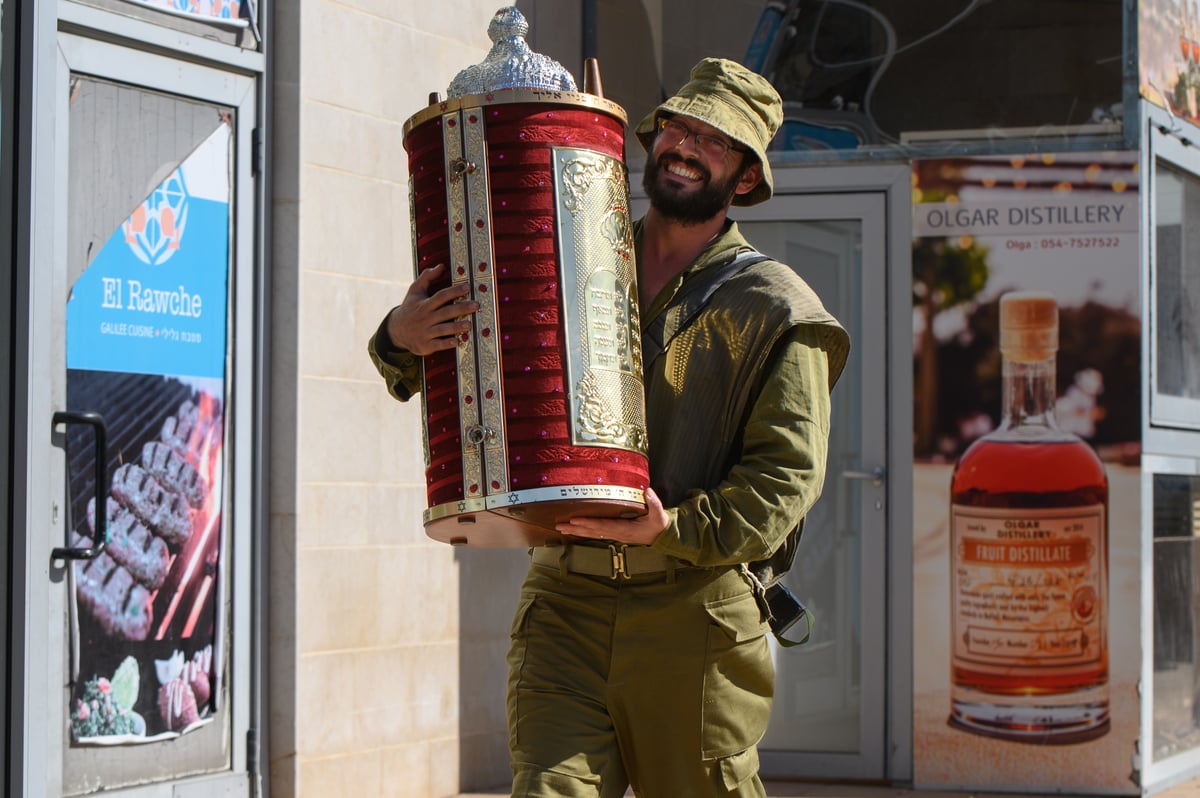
{"x": 737, "y": 408}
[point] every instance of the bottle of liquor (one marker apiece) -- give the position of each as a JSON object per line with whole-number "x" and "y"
{"x": 1029, "y": 557}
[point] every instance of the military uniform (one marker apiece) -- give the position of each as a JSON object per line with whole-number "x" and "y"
{"x": 665, "y": 678}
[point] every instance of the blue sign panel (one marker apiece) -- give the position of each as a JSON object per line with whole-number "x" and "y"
{"x": 154, "y": 299}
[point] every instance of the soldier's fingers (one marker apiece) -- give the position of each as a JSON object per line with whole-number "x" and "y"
{"x": 426, "y": 278}
{"x": 441, "y": 344}
{"x": 450, "y": 294}
{"x": 453, "y": 310}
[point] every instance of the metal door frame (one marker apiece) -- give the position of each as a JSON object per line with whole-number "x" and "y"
{"x": 826, "y": 192}
{"x": 36, "y": 733}
{"x": 10, "y": 45}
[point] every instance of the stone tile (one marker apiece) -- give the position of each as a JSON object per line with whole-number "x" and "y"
{"x": 408, "y": 694}
{"x": 445, "y": 767}
{"x": 463, "y": 22}
{"x": 332, "y": 347}
{"x": 387, "y": 514}
{"x": 376, "y": 699}
{"x": 355, "y": 225}
{"x": 358, "y": 774}
{"x": 350, "y": 310}
{"x": 326, "y": 706}
{"x": 338, "y": 605}
{"x": 355, "y": 142}
{"x": 361, "y": 56}
{"x": 405, "y": 769}
{"x": 424, "y": 582}
{"x": 355, "y": 61}
{"x": 355, "y": 431}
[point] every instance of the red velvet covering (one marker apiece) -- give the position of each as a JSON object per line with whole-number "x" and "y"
{"x": 520, "y": 139}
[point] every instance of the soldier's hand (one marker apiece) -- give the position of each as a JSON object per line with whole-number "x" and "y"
{"x": 641, "y": 530}
{"x": 424, "y": 323}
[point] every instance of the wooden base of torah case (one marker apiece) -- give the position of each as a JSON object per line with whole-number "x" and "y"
{"x": 538, "y": 415}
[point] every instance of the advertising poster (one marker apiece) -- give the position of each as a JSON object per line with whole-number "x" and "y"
{"x": 1026, "y": 430}
{"x": 1169, "y": 54}
{"x": 146, "y": 349}
{"x": 225, "y": 12}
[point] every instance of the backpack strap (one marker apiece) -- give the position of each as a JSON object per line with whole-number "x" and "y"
{"x": 780, "y": 607}
{"x": 690, "y": 301}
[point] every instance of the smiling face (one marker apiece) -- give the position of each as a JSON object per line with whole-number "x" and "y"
{"x": 689, "y": 182}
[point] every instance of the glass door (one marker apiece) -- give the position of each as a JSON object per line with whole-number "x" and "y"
{"x": 834, "y": 716}
{"x": 828, "y": 716}
{"x": 147, "y": 414}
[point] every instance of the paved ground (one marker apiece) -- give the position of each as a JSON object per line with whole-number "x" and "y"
{"x": 777, "y": 789}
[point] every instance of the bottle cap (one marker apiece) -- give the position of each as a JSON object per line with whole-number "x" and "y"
{"x": 1028, "y": 326}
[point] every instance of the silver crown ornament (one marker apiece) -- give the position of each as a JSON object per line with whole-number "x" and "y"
{"x": 511, "y": 64}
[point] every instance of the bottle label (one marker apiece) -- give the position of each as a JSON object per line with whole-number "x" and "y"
{"x": 1027, "y": 586}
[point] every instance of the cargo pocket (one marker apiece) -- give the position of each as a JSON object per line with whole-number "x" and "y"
{"x": 739, "y": 678}
{"x": 736, "y": 768}
{"x": 517, "y": 648}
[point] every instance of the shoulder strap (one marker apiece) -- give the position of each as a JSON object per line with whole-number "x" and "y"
{"x": 691, "y": 300}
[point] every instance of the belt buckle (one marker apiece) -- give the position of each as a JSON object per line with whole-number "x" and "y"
{"x": 618, "y": 561}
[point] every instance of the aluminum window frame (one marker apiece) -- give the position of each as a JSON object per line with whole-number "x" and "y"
{"x": 1168, "y": 446}
{"x": 55, "y": 39}
{"x": 1176, "y": 144}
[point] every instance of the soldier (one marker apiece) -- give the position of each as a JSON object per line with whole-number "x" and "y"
{"x": 662, "y": 679}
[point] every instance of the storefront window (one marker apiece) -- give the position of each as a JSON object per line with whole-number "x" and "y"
{"x": 884, "y": 73}
{"x": 1176, "y": 614}
{"x": 888, "y": 72}
{"x": 1176, "y": 281}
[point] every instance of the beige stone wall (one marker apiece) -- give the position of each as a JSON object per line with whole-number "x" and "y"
{"x": 386, "y": 671}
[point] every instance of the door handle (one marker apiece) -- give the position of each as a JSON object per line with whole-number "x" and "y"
{"x": 875, "y": 476}
{"x": 96, "y": 422}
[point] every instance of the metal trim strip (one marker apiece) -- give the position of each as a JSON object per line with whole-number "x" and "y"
{"x": 534, "y": 496}
{"x": 482, "y": 272}
{"x": 509, "y": 96}
{"x": 460, "y": 272}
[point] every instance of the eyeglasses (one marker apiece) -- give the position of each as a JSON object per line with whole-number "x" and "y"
{"x": 677, "y": 132}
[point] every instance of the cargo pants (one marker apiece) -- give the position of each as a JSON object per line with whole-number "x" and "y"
{"x": 662, "y": 681}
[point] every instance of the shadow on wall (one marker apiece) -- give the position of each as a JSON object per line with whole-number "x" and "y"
{"x": 489, "y": 583}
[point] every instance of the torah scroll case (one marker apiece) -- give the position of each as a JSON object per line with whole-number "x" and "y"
{"x": 517, "y": 182}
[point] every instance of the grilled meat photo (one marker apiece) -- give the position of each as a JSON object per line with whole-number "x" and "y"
{"x": 173, "y": 472}
{"x": 143, "y": 554}
{"x": 110, "y": 593}
{"x": 164, "y": 511}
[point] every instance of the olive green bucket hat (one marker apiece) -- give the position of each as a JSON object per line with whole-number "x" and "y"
{"x": 736, "y": 101}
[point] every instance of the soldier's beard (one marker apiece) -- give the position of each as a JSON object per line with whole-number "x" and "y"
{"x": 695, "y": 207}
